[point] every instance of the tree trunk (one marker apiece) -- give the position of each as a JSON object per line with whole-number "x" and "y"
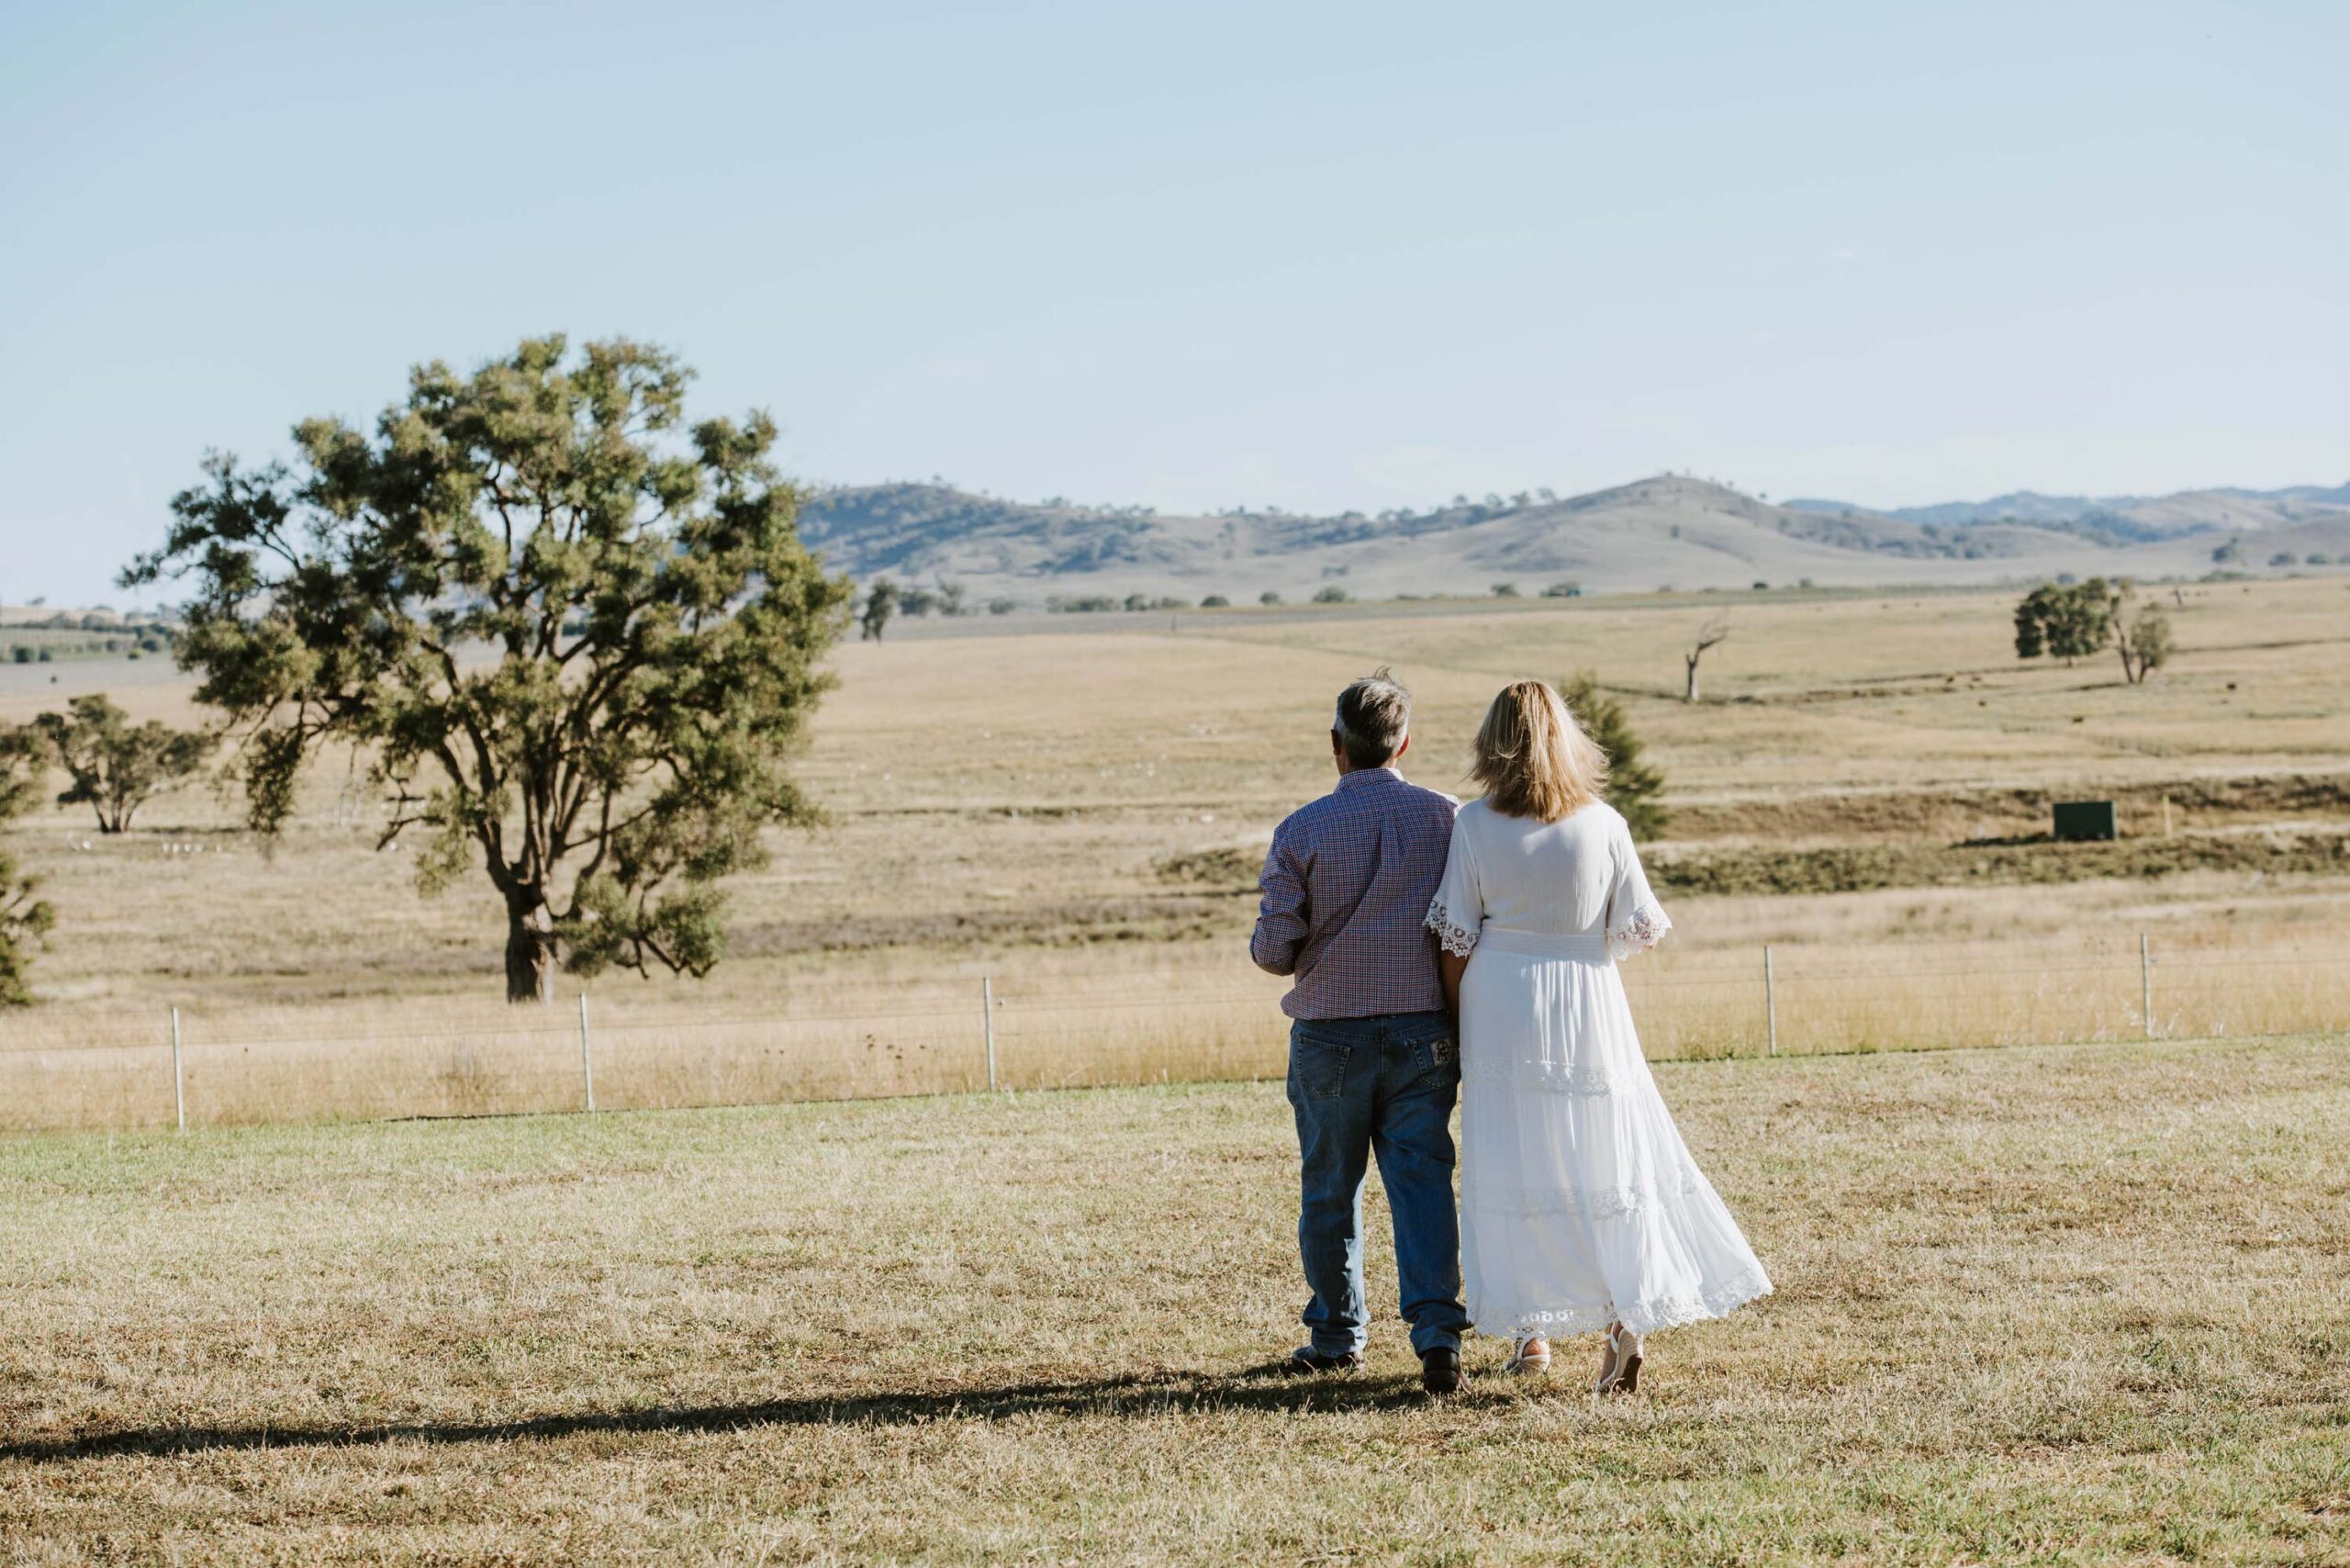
{"x": 1689, "y": 693}
{"x": 530, "y": 950}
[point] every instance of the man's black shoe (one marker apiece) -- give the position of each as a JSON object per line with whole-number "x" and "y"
{"x": 1440, "y": 1370}
{"x": 1306, "y": 1359}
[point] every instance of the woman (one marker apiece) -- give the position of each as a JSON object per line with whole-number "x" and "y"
{"x": 1580, "y": 1207}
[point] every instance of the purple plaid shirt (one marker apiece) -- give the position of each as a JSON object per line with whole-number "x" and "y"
{"x": 1347, "y": 886}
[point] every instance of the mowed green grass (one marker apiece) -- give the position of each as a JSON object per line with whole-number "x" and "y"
{"x": 2075, "y": 1304}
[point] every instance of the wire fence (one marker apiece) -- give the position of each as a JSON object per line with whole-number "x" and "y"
{"x": 996, "y": 1031}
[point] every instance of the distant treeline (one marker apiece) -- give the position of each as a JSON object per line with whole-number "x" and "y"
{"x": 61, "y": 635}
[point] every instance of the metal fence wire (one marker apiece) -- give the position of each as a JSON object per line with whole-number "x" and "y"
{"x": 991, "y": 1033}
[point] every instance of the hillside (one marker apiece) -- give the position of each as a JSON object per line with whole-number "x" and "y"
{"x": 2136, "y": 518}
{"x": 1664, "y": 531}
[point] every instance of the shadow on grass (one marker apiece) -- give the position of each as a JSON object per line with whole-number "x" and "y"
{"x": 1267, "y": 1387}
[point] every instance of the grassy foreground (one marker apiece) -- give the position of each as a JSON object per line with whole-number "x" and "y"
{"x": 2039, "y": 1305}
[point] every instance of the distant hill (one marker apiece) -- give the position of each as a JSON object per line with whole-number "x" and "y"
{"x": 2131, "y": 518}
{"x": 1664, "y": 531}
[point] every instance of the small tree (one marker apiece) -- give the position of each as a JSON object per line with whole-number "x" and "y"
{"x": 1504, "y": 591}
{"x": 116, "y": 765}
{"x": 1711, "y": 635}
{"x": 2143, "y": 640}
{"x": 577, "y": 640}
{"x": 1563, "y": 589}
{"x": 1269, "y": 597}
{"x": 1634, "y": 787}
{"x": 2065, "y": 621}
{"x": 1334, "y": 594}
{"x": 880, "y": 603}
{"x": 25, "y": 919}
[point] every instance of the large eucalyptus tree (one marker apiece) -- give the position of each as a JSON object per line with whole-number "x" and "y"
{"x": 575, "y": 639}
{"x": 25, "y": 919}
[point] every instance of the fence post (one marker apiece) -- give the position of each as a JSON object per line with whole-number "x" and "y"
{"x": 1771, "y": 998}
{"x": 987, "y": 1002}
{"x": 586, "y": 1063}
{"x": 2146, "y": 983}
{"x": 179, "y": 1076}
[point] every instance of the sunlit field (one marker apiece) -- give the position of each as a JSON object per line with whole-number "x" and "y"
{"x": 1026, "y": 806}
{"x": 2065, "y": 1305}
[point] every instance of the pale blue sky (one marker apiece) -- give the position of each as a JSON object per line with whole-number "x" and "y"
{"x": 1317, "y": 256}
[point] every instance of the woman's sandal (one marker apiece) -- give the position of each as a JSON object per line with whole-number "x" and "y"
{"x": 1620, "y": 1362}
{"x": 1530, "y": 1356}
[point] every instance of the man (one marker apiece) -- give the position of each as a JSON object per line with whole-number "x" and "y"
{"x": 1372, "y": 1064}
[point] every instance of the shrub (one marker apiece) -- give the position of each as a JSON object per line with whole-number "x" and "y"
{"x": 1334, "y": 594}
{"x": 1633, "y": 786}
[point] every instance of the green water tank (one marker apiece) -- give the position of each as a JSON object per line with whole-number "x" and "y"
{"x": 2082, "y": 820}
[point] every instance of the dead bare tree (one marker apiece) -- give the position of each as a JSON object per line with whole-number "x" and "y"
{"x": 1712, "y": 632}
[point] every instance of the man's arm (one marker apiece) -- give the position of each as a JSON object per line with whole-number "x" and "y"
{"x": 1449, "y": 968}
{"x": 1281, "y": 912}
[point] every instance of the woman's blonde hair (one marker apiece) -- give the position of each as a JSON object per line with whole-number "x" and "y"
{"x": 1533, "y": 758}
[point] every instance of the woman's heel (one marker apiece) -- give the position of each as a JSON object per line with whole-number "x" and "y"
{"x": 1530, "y": 1356}
{"x": 1620, "y": 1362}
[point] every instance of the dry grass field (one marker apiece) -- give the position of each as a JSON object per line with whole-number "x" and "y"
{"x": 1009, "y": 802}
{"x": 2078, "y": 1305}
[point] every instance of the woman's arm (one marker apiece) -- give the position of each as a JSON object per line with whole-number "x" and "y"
{"x": 1451, "y": 967}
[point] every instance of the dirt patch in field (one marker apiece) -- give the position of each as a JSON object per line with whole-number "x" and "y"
{"x": 1866, "y": 867}
{"x": 1218, "y": 869}
{"x": 1946, "y": 814}
{"x": 1065, "y": 922}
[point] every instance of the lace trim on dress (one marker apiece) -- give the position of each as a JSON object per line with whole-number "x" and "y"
{"x": 1643, "y": 931}
{"x": 1455, "y": 939}
{"x": 1670, "y": 1311}
{"x": 1592, "y": 1202}
{"x": 1556, "y": 1078}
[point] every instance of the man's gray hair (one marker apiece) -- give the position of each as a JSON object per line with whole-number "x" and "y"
{"x": 1374, "y": 715}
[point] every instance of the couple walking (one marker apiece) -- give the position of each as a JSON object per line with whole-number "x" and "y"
{"x": 1440, "y": 950}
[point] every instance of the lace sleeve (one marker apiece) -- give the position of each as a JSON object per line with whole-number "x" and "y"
{"x": 1458, "y": 912}
{"x": 1642, "y": 930}
{"x": 1636, "y": 922}
{"x": 1453, "y": 937}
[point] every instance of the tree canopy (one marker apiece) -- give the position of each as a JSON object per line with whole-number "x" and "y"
{"x": 880, "y": 603}
{"x": 2070, "y": 621}
{"x": 2064, "y": 621}
{"x": 25, "y": 919}
{"x": 116, "y": 765}
{"x": 574, "y": 638}
{"x": 1633, "y": 786}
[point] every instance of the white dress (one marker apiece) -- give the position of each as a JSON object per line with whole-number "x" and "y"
{"x": 1580, "y": 1205}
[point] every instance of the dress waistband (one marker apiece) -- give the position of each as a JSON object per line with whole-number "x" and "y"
{"x": 1590, "y": 949}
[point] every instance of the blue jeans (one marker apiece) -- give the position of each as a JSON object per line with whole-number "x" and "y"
{"x": 1383, "y": 1086}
